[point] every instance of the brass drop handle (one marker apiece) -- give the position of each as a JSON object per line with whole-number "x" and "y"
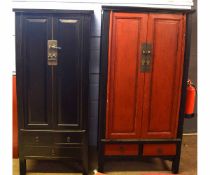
{"x": 143, "y": 62}
{"x": 148, "y": 62}
{"x": 55, "y": 47}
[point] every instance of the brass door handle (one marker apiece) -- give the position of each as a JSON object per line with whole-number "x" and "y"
{"x": 55, "y": 47}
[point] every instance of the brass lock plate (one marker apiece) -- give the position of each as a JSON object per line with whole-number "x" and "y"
{"x": 143, "y": 56}
{"x": 146, "y": 52}
{"x": 52, "y": 53}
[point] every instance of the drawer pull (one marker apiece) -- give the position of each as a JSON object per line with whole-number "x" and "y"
{"x": 53, "y": 152}
{"x": 68, "y": 139}
{"x": 37, "y": 139}
{"x": 121, "y": 148}
{"x": 159, "y": 151}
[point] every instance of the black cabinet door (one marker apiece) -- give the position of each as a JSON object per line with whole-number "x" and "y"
{"x": 68, "y": 74}
{"x": 33, "y": 73}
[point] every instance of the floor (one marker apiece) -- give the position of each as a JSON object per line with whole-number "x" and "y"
{"x": 188, "y": 164}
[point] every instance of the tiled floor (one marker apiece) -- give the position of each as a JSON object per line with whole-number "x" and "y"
{"x": 188, "y": 164}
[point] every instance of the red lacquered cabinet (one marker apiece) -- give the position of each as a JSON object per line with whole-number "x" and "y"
{"x": 14, "y": 118}
{"x": 144, "y": 62}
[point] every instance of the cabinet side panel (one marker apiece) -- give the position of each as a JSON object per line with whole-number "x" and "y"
{"x": 125, "y": 81}
{"x": 163, "y": 83}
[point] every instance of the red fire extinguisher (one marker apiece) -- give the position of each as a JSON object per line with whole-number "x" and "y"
{"x": 190, "y": 100}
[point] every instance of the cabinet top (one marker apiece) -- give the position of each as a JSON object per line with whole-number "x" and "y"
{"x": 17, "y": 10}
{"x": 145, "y": 9}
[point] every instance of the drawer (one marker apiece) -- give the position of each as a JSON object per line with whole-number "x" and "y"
{"x": 36, "y": 151}
{"x": 159, "y": 149}
{"x": 121, "y": 149}
{"x": 68, "y": 138}
{"x": 74, "y": 152}
{"x": 36, "y": 138}
{"x": 50, "y": 152}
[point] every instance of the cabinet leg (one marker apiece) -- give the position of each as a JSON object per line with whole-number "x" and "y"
{"x": 85, "y": 161}
{"x": 101, "y": 165}
{"x": 175, "y": 165}
{"x": 22, "y": 164}
{"x": 101, "y": 158}
{"x": 176, "y": 160}
{"x": 85, "y": 167}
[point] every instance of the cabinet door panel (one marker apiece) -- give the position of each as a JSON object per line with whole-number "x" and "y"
{"x": 36, "y": 82}
{"x": 163, "y": 83}
{"x": 125, "y": 81}
{"x": 68, "y": 73}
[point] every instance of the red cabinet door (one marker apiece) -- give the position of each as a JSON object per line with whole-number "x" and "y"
{"x": 125, "y": 82}
{"x": 162, "y": 88}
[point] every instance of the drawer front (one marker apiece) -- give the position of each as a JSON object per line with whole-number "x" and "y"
{"x": 159, "y": 149}
{"x": 36, "y": 151}
{"x": 68, "y": 138}
{"x": 36, "y": 138}
{"x": 50, "y": 152}
{"x": 121, "y": 149}
{"x": 74, "y": 152}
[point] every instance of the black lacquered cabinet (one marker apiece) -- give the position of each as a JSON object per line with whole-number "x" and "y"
{"x": 52, "y": 60}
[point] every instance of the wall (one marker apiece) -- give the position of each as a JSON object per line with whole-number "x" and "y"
{"x": 95, "y": 38}
{"x": 191, "y": 125}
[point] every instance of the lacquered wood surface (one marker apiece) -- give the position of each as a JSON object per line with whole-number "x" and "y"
{"x": 162, "y": 89}
{"x": 37, "y": 74}
{"x": 144, "y": 104}
{"x": 125, "y": 81}
{"x": 68, "y": 73}
{"x": 121, "y": 149}
{"x": 103, "y": 105}
{"x": 52, "y": 100}
{"x": 159, "y": 149}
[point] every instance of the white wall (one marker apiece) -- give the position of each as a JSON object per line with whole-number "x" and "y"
{"x": 95, "y": 36}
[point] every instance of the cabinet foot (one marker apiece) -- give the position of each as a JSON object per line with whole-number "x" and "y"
{"x": 85, "y": 161}
{"x": 101, "y": 159}
{"x": 175, "y": 165}
{"x": 22, "y": 164}
{"x": 85, "y": 168}
{"x": 100, "y": 165}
